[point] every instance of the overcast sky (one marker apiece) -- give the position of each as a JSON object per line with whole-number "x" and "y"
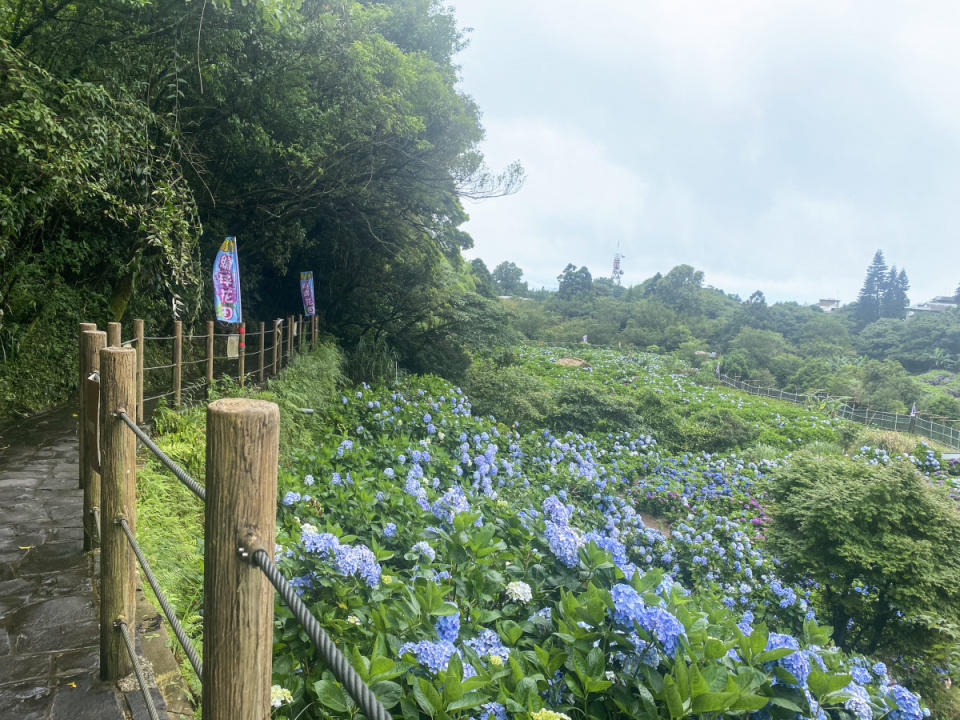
{"x": 773, "y": 144}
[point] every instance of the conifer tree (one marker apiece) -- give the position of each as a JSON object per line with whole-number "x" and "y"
{"x": 868, "y": 301}
{"x": 894, "y": 301}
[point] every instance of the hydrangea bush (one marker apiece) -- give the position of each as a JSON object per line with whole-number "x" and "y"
{"x": 474, "y": 570}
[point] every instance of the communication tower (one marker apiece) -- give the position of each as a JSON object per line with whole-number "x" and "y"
{"x": 617, "y": 269}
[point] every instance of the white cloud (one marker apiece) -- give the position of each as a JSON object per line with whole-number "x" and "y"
{"x": 775, "y": 145}
{"x": 575, "y": 205}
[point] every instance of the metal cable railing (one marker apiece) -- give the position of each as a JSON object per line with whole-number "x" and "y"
{"x": 344, "y": 672}
{"x": 172, "y": 618}
{"x": 138, "y": 671}
{"x": 889, "y": 421}
{"x": 181, "y": 474}
{"x": 341, "y": 668}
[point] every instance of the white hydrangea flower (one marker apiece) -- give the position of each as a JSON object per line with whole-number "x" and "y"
{"x": 279, "y": 696}
{"x": 519, "y": 591}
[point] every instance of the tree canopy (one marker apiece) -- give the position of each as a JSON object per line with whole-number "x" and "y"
{"x": 330, "y": 137}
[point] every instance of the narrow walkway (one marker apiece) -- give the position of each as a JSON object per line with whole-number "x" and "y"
{"x": 49, "y": 632}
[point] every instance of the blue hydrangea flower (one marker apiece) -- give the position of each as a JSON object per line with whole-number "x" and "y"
{"x": 627, "y": 605}
{"x": 861, "y": 675}
{"x": 450, "y": 504}
{"x": 320, "y": 543}
{"x": 487, "y": 643}
{"x": 795, "y": 663}
{"x": 859, "y": 702}
{"x": 664, "y": 627}
{"x": 424, "y": 550}
{"x": 390, "y": 529}
{"x": 564, "y": 542}
{"x": 448, "y": 627}
{"x": 493, "y": 711}
{"x": 908, "y": 706}
{"x": 290, "y": 498}
{"x": 435, "y": 656}
{"x": 555, "y": 510}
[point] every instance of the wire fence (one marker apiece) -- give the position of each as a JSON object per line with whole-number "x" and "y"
{"x": 939, "y": 432}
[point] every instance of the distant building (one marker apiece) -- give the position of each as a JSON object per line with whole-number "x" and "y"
{"x": 828, "y": 304}
{"x": 940, "y": 303}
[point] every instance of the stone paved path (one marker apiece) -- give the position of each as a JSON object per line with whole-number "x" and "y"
{"x": 49, "y": 658}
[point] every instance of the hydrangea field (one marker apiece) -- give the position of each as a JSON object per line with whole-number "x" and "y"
{"x": 474, "y": 568}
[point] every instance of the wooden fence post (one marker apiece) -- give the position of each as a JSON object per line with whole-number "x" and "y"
{"x": 277, "y": 339}
{"x": 177, "y": 359}
{"x": 262, "y": 331}
{"x": 113, "y": 334}
{"x": 81, "y": 402}
{"x": 242, "y": 356}
{"x": 289, "y": 338}
{"x": 118, "y": 452}
{"x": 138, "y": 331}
{"x": 241, "y": 482}
{"x": 93, "y": 342}
{"x": 300, "y": 334}
{"x": 209, "y": 354}
{"x": 313, "y": 332}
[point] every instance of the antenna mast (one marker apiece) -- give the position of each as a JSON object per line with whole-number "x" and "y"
{"x": 617, "y": 269}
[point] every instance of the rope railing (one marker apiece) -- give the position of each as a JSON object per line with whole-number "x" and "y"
{"x": 181, "y": 474}
{"x": 341, "y": 668}
{"x": 172, "y": 618}
{"x": 137, "y": 670}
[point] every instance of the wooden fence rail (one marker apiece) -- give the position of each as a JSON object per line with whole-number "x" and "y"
{"x": 240, "y": 512}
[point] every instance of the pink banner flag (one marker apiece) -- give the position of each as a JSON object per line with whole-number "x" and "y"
{"x": 226, "y": 283}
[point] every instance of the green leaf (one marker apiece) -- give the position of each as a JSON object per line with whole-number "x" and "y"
{"x": 758, "y": 639}
{"x": 510, "y": 632}
{"x": 592, "y": 685}
{"x": 714, "y": 649}
{"x": 595, "y": 663}
{"x": 785, "y": 675}
{"x": 469, "y": 700}
{"x": 786, "y": 704}
{"x": 330, "y": 695}
{"x": 776, "y": 654}
{"x": 821, "y": 683}
{"x": 424, "y": 700}
{"x": 750, "y": 702}
{"x": 672, "y": 697}
{"x": 713, "y": 701}
{"x": 388, "y": 693}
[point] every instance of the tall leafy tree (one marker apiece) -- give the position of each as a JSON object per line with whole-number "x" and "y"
{"x": 509, "y": 279}
{"x": 574, "y": 283}
{"x": 482, "y": 278}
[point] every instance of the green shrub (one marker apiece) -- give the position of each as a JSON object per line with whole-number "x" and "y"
{"x": 881, "y": 543}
